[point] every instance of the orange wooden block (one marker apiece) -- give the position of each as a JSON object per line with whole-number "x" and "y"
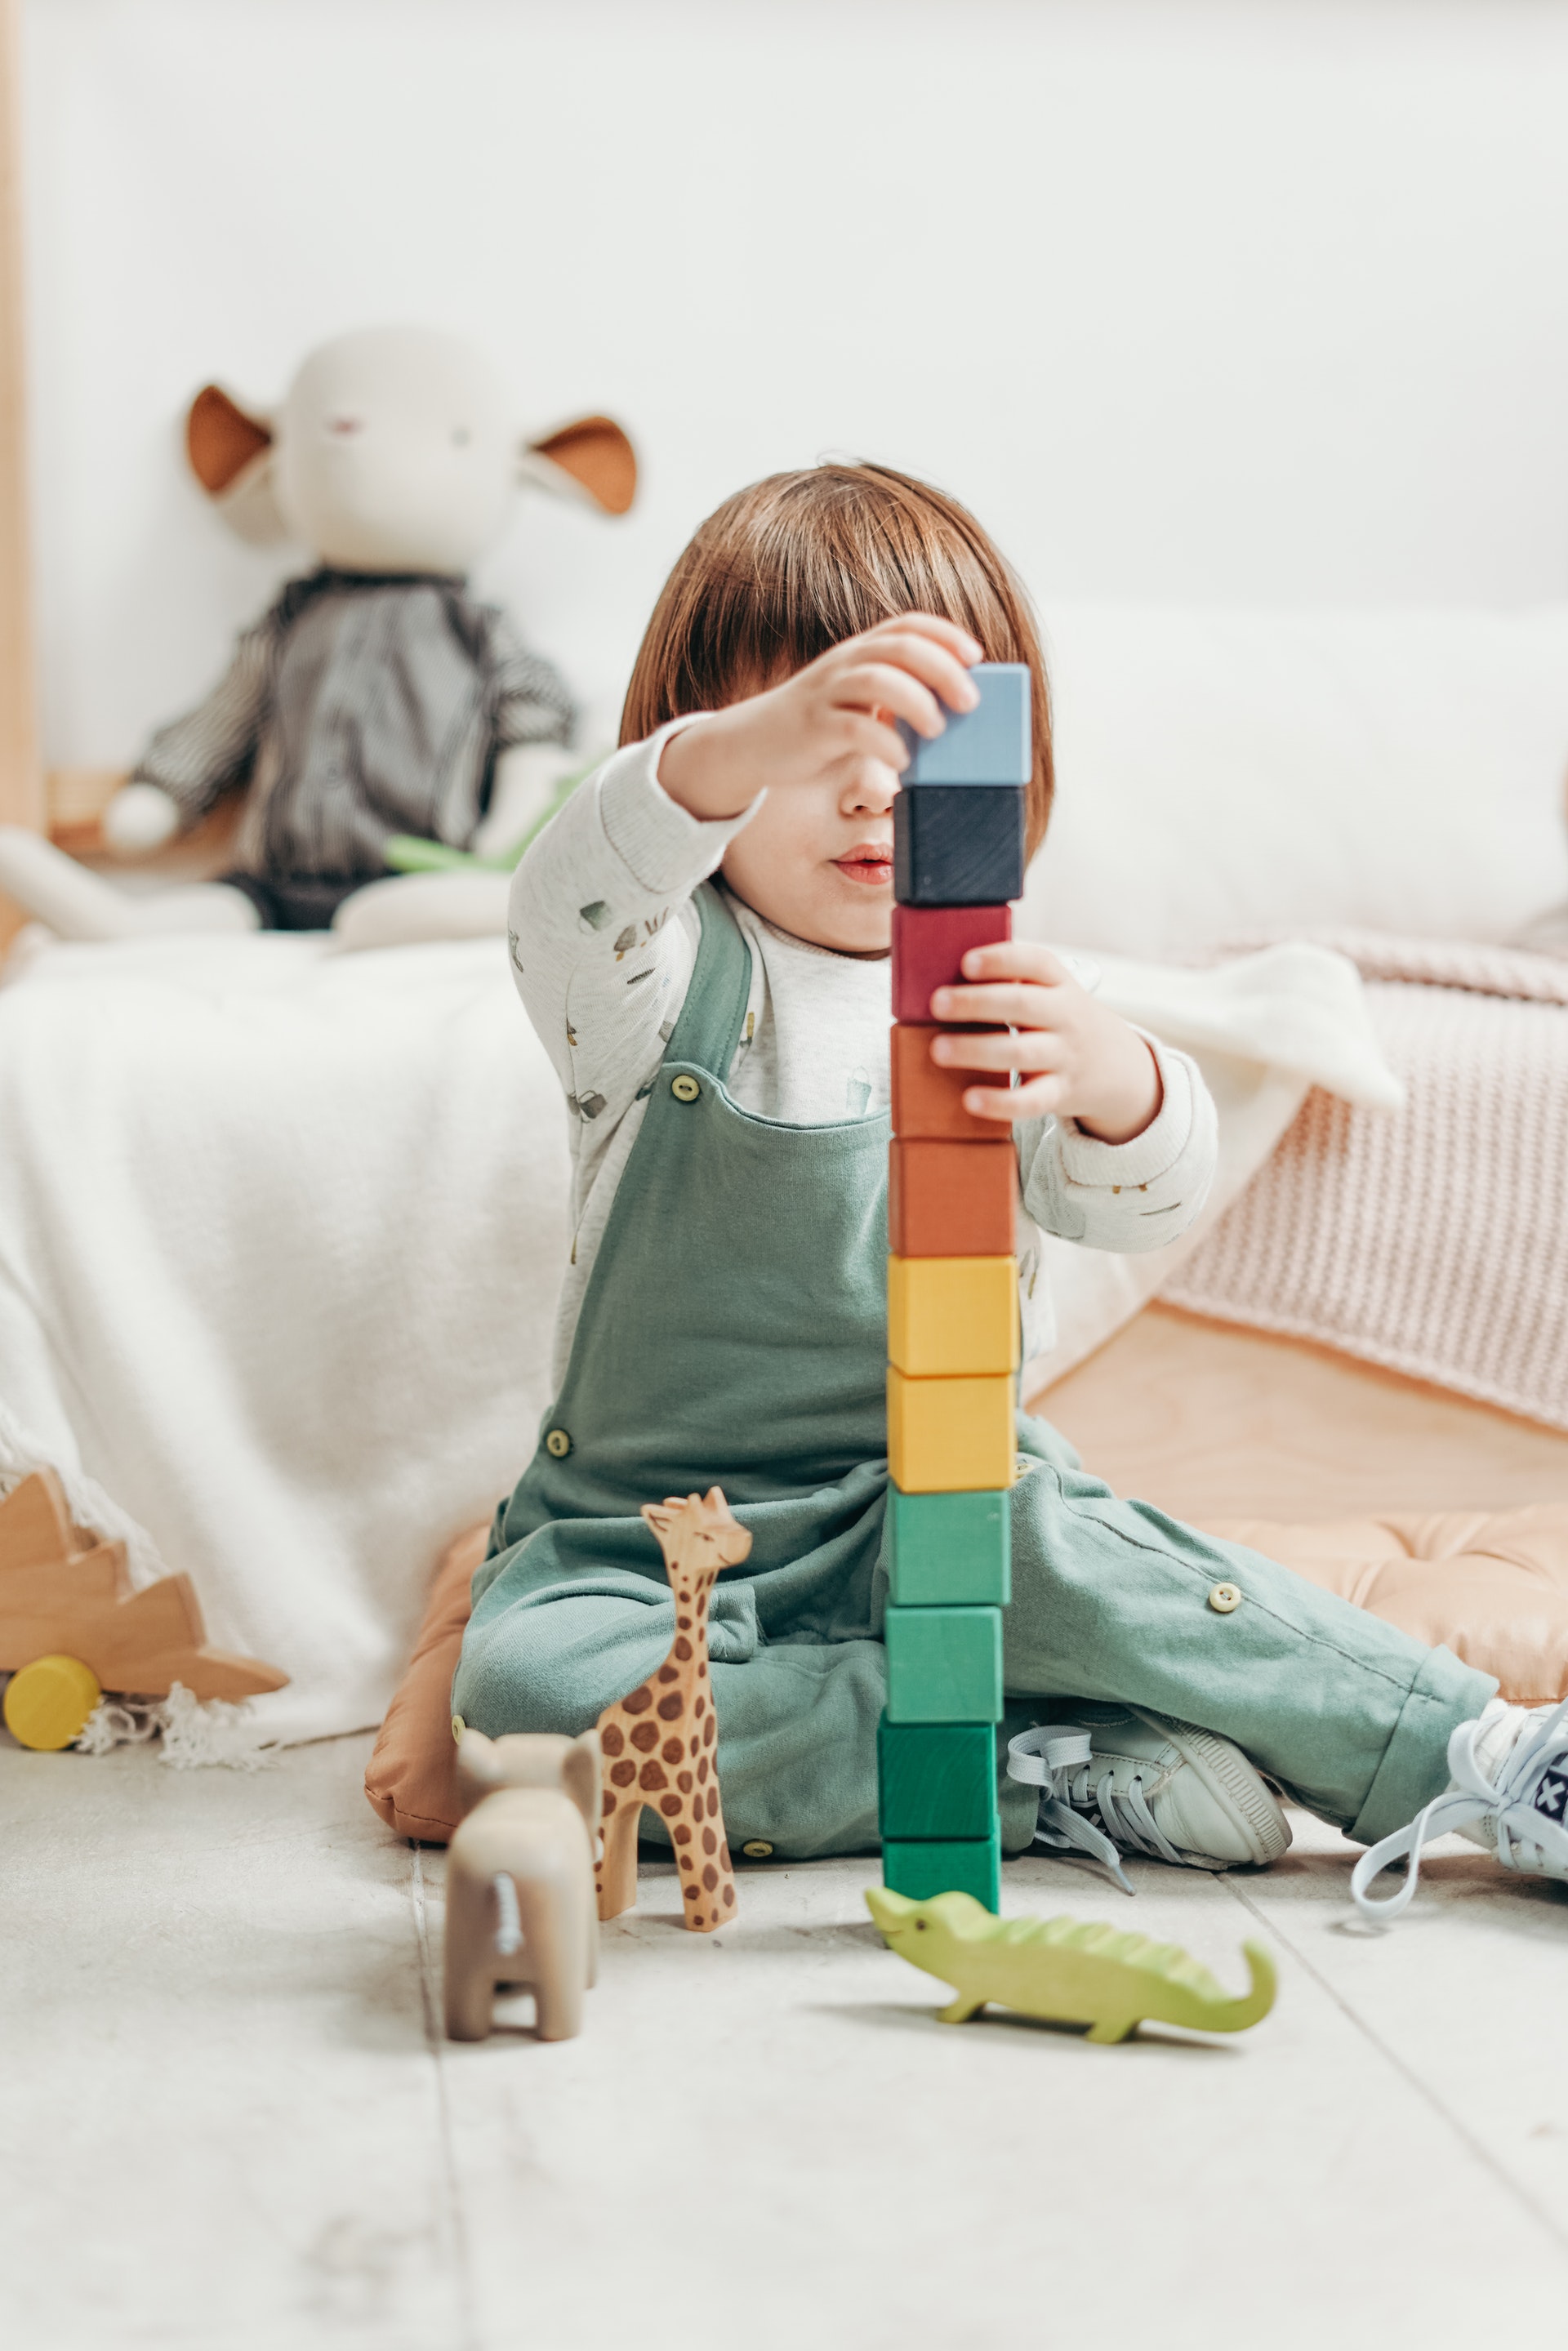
{"x": 928, "y": 1101}
{"x": 951, "y": 1199}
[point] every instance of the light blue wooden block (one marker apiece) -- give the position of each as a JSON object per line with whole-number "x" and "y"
{"x": 987, "y": 745}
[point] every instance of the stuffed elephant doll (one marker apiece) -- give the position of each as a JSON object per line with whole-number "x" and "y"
{"x": 520, "y": 1902}
{"x": 377, "y": 697}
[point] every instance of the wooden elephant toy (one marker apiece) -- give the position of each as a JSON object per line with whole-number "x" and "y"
{"x": 520, "y": 1902}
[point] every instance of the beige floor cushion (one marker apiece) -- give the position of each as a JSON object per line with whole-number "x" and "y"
{"x": 411, "y": 1776}
{"x": 1492, "y": 1588}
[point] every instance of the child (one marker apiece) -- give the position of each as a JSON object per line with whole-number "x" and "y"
{"x": 723, "y": 1049}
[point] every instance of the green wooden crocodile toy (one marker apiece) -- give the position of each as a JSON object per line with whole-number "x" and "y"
{"x": 1070, "y": 1971}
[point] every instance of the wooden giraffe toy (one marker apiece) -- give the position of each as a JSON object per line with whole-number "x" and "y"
{"x": 659, "y": 1744}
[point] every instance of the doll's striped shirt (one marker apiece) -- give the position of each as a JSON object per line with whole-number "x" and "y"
{"x": 359, "y": 707}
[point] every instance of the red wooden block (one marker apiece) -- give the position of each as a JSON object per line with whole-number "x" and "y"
{"x": 929, "y": 1101}
{"x": 951, "y": 1199}
{"x": 929, "y": 943}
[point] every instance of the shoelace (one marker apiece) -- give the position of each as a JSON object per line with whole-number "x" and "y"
{"x": 1526, "y": 1839}
{"x": 1058, "y": 1759}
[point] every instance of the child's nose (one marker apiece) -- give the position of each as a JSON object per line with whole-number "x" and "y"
{"x": 871, "y": 790}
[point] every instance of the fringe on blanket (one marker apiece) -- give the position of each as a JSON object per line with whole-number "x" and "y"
{"x": 194, "y": 1734}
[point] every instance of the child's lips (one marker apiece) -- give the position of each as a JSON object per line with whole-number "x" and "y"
{"x": 872, "y": 866}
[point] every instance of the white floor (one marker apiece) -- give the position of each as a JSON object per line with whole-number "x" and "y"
{"x": 227, "y": 2118}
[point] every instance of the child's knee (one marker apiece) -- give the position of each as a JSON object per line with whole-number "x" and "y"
{"x": 556, "y": 1666}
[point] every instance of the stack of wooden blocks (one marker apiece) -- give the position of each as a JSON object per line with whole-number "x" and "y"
{"x": 952, "y": 1312}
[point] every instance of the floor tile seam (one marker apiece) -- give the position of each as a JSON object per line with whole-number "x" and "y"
{"x": 1476, "y": 2147}
{"x": 436, "y": 2043}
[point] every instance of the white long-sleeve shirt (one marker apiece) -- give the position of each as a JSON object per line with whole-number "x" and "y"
{"x": 603, "y": 937}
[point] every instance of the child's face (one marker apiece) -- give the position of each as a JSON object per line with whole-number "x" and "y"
{"x": 817, "y": 859}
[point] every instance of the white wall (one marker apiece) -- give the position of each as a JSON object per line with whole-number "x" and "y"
{"x": 1248, "y": 301}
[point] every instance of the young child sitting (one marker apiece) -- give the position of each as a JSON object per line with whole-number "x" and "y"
{"x": 723, "y": 1050}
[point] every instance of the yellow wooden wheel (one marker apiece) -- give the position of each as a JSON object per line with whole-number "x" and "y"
{"x": 47, "y": 1703}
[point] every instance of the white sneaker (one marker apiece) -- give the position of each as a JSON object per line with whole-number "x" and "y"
{"x": 1515, "y": 1809}
{"x": 1119, "y": 1777}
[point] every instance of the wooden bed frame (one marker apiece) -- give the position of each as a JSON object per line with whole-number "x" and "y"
{"x": 1208, "y": 1421}
{"x": 67, "y": 802}
{"x": 21, "y": 769}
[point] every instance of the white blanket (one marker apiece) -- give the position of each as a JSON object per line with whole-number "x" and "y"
{"x": 280, "y": 1235}
{"x": 280, "y": 1232}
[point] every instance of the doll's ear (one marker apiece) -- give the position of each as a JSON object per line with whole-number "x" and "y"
{"x": 221, "y": 440}
{"x": 592, "y": 459}
{"x": 230, "y": 450}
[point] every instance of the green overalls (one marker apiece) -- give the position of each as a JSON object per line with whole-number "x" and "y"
{"x": 733, "y": 1332}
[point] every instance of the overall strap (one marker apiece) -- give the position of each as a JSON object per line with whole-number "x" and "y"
{"x": 708, "y": 1030}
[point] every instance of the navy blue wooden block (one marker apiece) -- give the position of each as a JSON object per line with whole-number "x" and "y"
{"x": 957, "y": 845}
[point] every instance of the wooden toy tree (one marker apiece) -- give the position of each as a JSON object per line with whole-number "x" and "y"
{"x": 952, "y": 1314}
{"x": 72, "y": 1624}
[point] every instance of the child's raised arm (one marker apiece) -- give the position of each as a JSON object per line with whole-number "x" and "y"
{"x": 602, "y": 934}
{"x": 818, "y": 758}
{"x": 830, "y": 716}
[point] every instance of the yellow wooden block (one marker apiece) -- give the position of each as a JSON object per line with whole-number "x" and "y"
{"x": 952, "y": 1317}
{"x": 946, "y": 1436}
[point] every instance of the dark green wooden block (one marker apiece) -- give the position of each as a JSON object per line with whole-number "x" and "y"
{"x": 948, "y": 1550}
{"x": 956, "y": 1865}
{"x": 943, "y": 1665}
{"x": 936, "y": 1779}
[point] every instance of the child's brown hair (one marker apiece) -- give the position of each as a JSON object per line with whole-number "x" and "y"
{"x": 798, "y": 563}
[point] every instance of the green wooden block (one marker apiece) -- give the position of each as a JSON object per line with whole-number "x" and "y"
{"x": 943, "y": 1665}
{"x": 936, "y": 1779}
{"x": 946, "y": 1865}
{"x": 949, "y": 1550}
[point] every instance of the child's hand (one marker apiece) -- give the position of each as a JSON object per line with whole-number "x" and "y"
{"x": 1074, "y": 1057}
{"x": 826, "y": 724}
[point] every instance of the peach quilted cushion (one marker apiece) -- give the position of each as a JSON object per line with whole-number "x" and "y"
{"x": 411, "y": 1776}
{"x": 1492, "y": 1588}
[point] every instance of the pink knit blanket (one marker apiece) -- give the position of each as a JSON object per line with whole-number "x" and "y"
{"x": 1435, "y": 1241}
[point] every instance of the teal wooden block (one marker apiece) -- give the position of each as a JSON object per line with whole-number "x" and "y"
{"x": 946, "y": 1865}
{"x": 943, "y": 1665}
{"x": 949, "y": 1550}
{"x": 987, "y": 745}
{"x": 936, "y": 1779}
